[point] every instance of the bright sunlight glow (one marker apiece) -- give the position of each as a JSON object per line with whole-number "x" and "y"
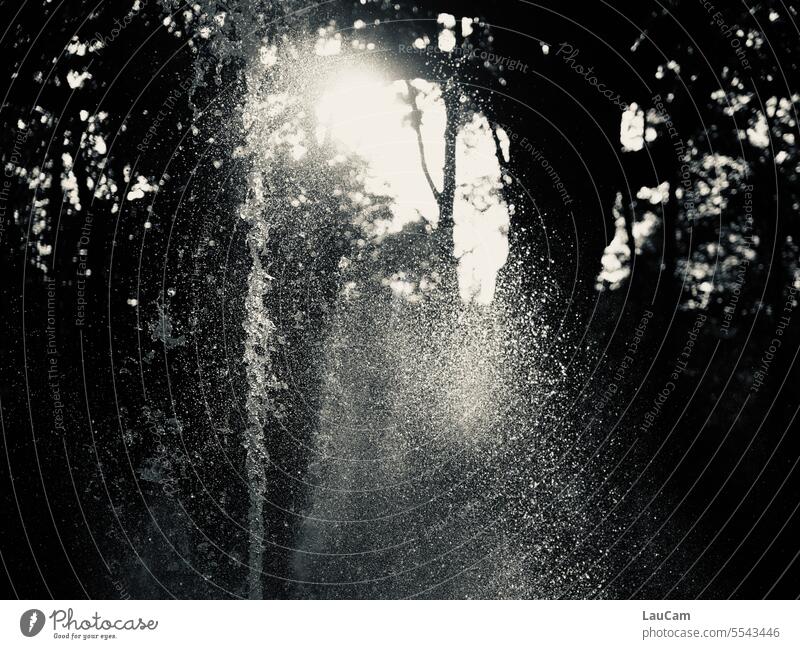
{"x": 369, "y": 117}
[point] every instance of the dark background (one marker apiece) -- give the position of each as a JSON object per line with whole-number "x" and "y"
{"x": 704, "y": 503}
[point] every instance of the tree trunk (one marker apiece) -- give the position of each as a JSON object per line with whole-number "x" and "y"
{"x": 446, "y": 198}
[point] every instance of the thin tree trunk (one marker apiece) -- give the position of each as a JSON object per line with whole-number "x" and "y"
{"x": 448, "y": 193}
{"x": 446, "y": 198}
{"x": 258, "y": 365}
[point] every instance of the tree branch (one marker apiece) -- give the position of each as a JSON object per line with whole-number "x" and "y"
{"x": 416, "y": 121}
{"x": 447, "y": 196}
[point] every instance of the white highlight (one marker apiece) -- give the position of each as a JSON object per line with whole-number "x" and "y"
{"x": 369, "y": 116}
{"x": 631, "y": 134}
